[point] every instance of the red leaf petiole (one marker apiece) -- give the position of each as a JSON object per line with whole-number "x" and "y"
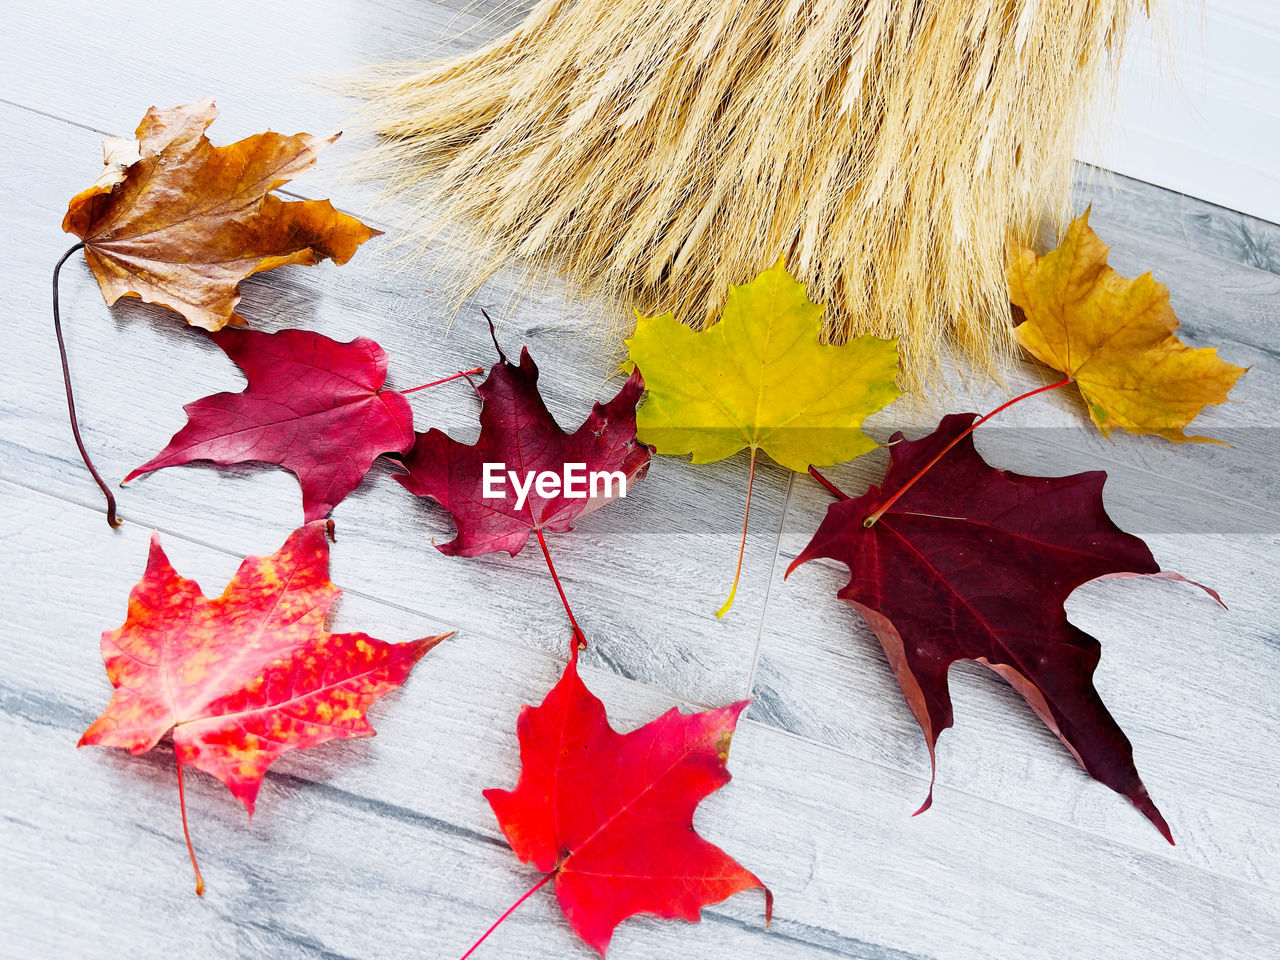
{"x": 474, "y": 371}
{"x": 876, "y": 514}
{"x": 831, "y": 487}
{"x": 871, "y": 518}
{"x": 579, "y": 638}
{"x": 511, "y": 909}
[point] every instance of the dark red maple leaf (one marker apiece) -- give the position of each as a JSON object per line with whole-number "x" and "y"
{"x": 518, "y": 432}
{"x": 609, "y": 817}
{"x": 313, "y": 406}
{"x": 975, "y": 563}
{"x": 244, "y": 677}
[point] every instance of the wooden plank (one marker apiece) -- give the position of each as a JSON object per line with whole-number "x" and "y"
{"x": 385, "y": 847}
{"x": 260, "y": 62}
{"x": 1178, "y": 218}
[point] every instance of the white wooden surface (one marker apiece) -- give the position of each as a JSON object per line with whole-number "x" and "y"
{"x": 1198, "y": 105}
{"x": 385, "y": 848}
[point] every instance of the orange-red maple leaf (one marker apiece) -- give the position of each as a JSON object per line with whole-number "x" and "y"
{"x": 179, "y": 222}
{"x": 609, "y": 816}
{"x": 242, "y": 678}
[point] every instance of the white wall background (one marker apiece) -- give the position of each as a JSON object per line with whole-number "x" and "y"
{"x": 1199, "y": 111}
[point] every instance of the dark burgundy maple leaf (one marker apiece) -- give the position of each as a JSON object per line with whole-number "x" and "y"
{"x": 313, "y": 406}
{"x": 519, "y": 435}
{"x": 975, "y": 563}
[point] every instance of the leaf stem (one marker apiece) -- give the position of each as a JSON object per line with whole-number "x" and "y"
{"x": 182, "y": 802}
{"x": 579, "y": 638}
{"x": 511, "y": 909}
{"x": 493, "y": 333}
{"x": 875, "y": 515}
{"x": 71, "y": 400}
{"x": 742, "y": 546}
{"x": 831, "y": 487}
{"x": 435, "y": 383}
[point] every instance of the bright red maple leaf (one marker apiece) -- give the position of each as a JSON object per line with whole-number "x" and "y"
{"x": 518, "y": 432}
{"x": 245, "y": 677}
{"x": 975, "y": 563}
{"x": 313, "y": 406}
{"x": 608, "y": 816}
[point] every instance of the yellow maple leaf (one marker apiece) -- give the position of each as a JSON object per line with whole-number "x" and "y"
{"x": 1115, "y": 337}
{"x": 760, "y": 379}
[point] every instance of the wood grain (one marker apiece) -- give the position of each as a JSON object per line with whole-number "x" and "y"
{"x": 385, "y": 847}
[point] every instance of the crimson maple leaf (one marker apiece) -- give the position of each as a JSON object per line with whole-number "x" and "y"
{"x": 313, "y": 406}
{"x": 975, "y": 563}
{"x": 518, "y": 434}
{"x": 245, "y": 677}
{"x": 608, "y": 816}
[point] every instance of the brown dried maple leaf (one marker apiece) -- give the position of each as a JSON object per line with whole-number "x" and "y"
{"x": 179, "y": 222}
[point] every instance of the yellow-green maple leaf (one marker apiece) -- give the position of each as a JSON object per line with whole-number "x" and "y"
{"x": 1114, "y": 337}
{"x": 761, "y": 379}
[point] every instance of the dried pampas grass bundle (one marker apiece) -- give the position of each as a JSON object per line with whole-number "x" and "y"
{"x": 661, "y": 150}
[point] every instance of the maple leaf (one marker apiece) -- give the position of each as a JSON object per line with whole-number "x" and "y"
{"x": 761, "y": 379}
{"x": 967, "y": 562}
{"x": 609, "y": 817}
{"x": 313, "y": 406}
{"x": 176, "y": 221}
{"x": 1115, "y": 337}
{"x": 179, "y": 222}
{"x": 242, "y": 678}
{"x": 518, "y": 432}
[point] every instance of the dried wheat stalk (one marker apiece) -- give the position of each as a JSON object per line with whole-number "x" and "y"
{"x": 660, "y": 150}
